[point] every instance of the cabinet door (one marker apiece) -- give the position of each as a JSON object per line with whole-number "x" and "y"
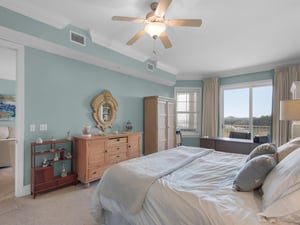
{"x": 96, "y": 153}
{"x": 171, "y": 126}
{"x": 162, "y": 123}
{"x": 133, "y": 149}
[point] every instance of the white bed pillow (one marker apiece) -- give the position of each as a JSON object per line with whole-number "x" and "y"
{"x": 287, "y": 148}
{"x": 252, "y": 175}
{"x": 281, "y": 191}
{"x": 12, "y": 132}
{"x": 266, "y": 148}
{"x": 4, "y": 132}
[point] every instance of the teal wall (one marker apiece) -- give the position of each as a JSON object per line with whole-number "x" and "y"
{"x": 58, "y": 92}
{"x": 7, "y": 87}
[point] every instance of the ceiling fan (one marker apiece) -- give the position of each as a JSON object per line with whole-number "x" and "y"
{"x": 156, "y": 23}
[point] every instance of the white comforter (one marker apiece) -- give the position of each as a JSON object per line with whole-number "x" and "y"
{"x": 200, "y": 192}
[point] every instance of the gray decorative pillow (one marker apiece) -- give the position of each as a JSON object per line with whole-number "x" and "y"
{"x": 262, "y": 149}
{"x": 252, "y": 175}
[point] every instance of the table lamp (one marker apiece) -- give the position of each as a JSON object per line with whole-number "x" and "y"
{"x": 290, "y": 110}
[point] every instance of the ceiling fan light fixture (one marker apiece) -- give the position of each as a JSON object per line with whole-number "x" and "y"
{"x": 154, "y": 29}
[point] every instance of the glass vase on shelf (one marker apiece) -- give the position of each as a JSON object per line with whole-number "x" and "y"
{"x": 128, "y": 126}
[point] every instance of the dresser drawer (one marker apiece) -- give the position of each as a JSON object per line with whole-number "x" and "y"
{"x": 96, "y": 173}
{"x": 117, "y": 148}
{"x": 114, "y": 158}
{"x": 116, "y": 141}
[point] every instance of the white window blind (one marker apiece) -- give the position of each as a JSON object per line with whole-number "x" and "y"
{"x": 188, "y": 109}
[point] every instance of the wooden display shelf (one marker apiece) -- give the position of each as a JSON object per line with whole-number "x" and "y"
{"x": 43, "y": 178}
{"x": 54, "y": 183}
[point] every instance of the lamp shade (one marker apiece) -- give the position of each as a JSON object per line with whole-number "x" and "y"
{"x": 290, "y": 110}
{"x": 155, "y": 29}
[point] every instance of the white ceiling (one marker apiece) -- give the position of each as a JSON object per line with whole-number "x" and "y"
{"x": 235, "y": 36}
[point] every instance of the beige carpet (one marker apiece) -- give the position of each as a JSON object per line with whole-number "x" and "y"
{"x": 65, "y": 206}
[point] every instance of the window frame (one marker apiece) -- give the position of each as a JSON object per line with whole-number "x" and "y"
{"x": 251, "y": 85}
{"x": 199, "y": 114}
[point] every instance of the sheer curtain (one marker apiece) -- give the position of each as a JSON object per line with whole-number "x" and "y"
{"x": 210, "y": 107}
{"x": 283, "y": 79}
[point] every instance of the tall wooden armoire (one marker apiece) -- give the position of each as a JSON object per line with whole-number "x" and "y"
{"x": 159, "y": 123}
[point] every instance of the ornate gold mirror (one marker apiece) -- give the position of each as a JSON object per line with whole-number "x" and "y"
{"x": 105, "y": 108}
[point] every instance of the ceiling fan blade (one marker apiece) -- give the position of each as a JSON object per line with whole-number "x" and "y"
{"x": 165, "y": 40}
{"x": 128, "y": 19}
{"x": 162, "y": 7}
{"x": 184, "y": 22}
{"x": 136, "y": 37}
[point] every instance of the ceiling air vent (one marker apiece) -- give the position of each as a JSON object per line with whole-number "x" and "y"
{"x": 150, "y": 66}
{"x": 77, "y": 38}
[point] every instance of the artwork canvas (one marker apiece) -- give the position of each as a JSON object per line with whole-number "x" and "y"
{"x": 7, "y": 107}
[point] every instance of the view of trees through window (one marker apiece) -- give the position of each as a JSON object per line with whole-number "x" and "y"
{"x": 247, "y": 110}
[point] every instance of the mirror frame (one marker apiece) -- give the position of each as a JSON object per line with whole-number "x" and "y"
{"x": 104, "y": 98}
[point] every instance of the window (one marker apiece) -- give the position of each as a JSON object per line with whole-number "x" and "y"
{"x": 246, "y": 108}
{"x": 188, "y": 102}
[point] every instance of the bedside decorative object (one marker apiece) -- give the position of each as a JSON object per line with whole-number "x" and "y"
{"x": 45, "y": 162}
{"x": 128, "y": 126}
{"x": 63, "y": 171}
{"x": 56, "y": 157}
{"x": 69, "y": 137}
{"x": 105, "y": 108}
{"x": 68, "y": 156}
{"x": 39, "y": 140}
{"x": 86, "y": 131}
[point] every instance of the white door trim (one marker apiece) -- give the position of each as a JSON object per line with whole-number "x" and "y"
{"x": 20, "y": 189}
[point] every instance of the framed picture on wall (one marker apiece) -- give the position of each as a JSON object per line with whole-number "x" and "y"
{"x": 7, "y": 107}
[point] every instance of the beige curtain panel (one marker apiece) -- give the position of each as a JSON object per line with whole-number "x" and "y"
{"x": 283, "y": 79}
{"x": 210, "y": 107}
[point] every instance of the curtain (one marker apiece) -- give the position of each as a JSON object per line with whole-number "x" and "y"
{"x": 283, "y": 79}
{"x": 210, "y": 107}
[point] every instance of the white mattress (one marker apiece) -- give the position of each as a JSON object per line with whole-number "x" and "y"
{"x": 198, "y": 193}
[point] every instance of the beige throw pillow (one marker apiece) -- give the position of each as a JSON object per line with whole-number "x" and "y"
{"x": 287, "y": 148}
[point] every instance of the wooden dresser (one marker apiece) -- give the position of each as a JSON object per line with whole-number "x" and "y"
{"x": 232, "y": 145}
{"x": 95, "y": 154}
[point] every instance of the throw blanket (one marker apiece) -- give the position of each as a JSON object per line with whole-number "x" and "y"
{"x": 128, "y": 182}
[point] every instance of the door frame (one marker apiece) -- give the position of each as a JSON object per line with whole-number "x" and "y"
{"x": 19, "y": 150}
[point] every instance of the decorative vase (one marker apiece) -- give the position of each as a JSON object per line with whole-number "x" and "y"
{"x": 129, "y": 126}
{"x": 86, "y": 130}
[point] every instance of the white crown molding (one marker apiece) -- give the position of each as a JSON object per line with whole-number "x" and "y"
{"x": 230, "y": 73}
{"x": 34, "y": 42}
{"x": 35, "y": 13}
{"x": 116, "y": 46}
{"x": 128, "y": 51}
{"x": 167, "y": 68}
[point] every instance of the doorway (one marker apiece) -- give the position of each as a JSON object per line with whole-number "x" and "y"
{"x": 16, "y": 171}
{"x": 8, "y": 68}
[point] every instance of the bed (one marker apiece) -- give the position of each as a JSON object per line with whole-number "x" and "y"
{"x": 191, "y": 185}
